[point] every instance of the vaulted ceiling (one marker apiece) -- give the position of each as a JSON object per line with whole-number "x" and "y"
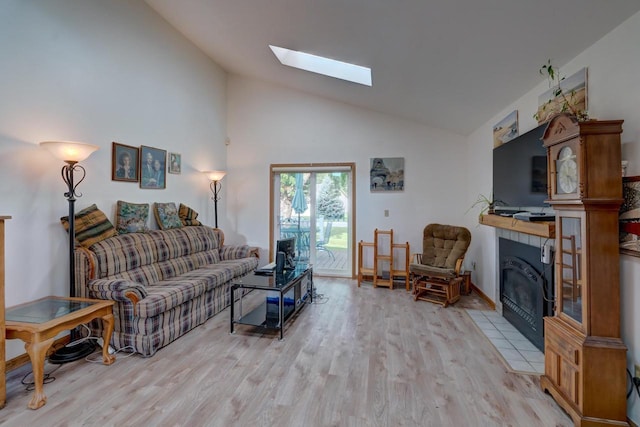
{"x": 452, "y": 64}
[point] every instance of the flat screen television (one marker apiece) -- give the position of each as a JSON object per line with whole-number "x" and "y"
{"x": 520, "y": 172}
{"x": 288, "y": 247}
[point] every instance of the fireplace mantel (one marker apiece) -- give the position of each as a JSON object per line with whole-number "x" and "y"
{"x": 535, "y": 228}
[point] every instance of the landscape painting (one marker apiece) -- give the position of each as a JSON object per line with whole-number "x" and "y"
{"x": 387, "y": 174}
{"x": 506, "y": 129}
{"x": 575, "y": 89}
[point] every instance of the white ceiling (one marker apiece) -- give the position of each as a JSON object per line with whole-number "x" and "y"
{"x": 451, "y": 64}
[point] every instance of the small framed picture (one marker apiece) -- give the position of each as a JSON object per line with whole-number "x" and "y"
{"x": 153, "y": 163}
{"x": 386, "y": 174}
{"x": 124, "y": 162}
{"x": 175, "y": 163}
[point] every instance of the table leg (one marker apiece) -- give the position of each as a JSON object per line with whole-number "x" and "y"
{"x": 37, "y": 352}
{"x": 233, "y": 303}
{"x": 107, "y": 326}
{"x": 281, "y": 315}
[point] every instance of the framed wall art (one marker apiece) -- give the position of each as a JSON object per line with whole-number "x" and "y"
{"x": 175, "y": 163}
{"x": 124, "y": 162}
{"x": 506, "y": 129}
{"x": 574, "y": 88}
{"x": 153, "y": 163}
{"x": 630, "y": 216}
{"x": 387, "y": 174}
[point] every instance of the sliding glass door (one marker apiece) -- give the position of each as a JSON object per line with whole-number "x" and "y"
{"x": 314, "y": 204}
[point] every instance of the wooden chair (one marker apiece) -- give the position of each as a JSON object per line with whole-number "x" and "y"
{"x": 435, "y": 273}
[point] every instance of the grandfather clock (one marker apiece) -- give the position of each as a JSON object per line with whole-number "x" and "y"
{"x": 585, "y": 359}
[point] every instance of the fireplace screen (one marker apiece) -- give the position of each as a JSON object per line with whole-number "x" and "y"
{"x": 526, "y": 288}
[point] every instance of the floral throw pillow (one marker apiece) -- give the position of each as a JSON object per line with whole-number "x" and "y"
{"x": 167, "y": 215}
{"x": 188, "y": 216}
{"x": 132, "y": 217}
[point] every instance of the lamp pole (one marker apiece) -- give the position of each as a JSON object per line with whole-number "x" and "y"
{"x": 215, "y": 186}
{"x": 67, "y": 177}
{"x": 71, "y": 153}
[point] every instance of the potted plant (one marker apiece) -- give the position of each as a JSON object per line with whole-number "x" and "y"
{"x": 562, "y": 101}
{"x": 486, "y": 204}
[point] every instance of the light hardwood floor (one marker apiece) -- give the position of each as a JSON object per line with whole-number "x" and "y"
{"x": 365, "y": 357}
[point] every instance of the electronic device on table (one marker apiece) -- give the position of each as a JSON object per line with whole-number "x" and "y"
{"x": 286, "y": 254}
{"x": 267, "y": 270}
{"x": 285, "y": 258}
{"x": 520, "y": 173}
{"x": 534, "y": 216}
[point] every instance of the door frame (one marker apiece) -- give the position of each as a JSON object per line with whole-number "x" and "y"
{"x": 275, "y": 168}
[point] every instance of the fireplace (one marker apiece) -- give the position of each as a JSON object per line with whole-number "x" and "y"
{"x": 526, "y": 288}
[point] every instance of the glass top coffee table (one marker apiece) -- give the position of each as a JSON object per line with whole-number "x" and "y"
{"x": 38, "y": 322}
{"x": 284, "y": 295}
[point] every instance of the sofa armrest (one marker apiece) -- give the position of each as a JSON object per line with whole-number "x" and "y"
{"x": 117, "y": 290}
{"x": 235, "y": 252}
{"x": 85, "y": 269}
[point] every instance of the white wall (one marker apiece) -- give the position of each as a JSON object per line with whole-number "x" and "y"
{"x": 613, "y": 93}
{"x": 96, "y": 72}
{"x": 269, "y": 124}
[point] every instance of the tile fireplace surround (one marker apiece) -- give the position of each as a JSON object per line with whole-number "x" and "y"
{"x": 517, "y": 351}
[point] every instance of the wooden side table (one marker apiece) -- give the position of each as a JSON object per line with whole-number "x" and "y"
{"x": 38, "y": 322}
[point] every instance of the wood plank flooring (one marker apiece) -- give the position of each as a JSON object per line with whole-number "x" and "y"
{"x": 363, "y": 357}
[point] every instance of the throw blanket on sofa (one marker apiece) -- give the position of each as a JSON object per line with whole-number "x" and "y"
{"x": 164, "y": 282}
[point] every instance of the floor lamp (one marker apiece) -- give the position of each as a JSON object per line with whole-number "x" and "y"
{"x": 216, "y": 186}
{"x": 71, "y": 153}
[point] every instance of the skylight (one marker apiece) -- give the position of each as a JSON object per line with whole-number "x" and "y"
{"x": 321, "y": 65}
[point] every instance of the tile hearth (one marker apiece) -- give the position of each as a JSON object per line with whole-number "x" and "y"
{"x": 516, "y": 350}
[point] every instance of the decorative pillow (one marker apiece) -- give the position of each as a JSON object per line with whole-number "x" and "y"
{"x": 167, "y": 215}
{"x": 132, "y": 217}
{"x": 188, "y": 216}
{"x": 91, "y": 226}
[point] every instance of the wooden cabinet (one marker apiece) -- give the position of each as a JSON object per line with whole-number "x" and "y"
{"x": 3, "y": 390}
{"x": 585, "y": 358}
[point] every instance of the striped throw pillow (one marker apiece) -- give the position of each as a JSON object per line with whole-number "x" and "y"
{"x": 188, "y": 216}
{"x": 91, "y": 226}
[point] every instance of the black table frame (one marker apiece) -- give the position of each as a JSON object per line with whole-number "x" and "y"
{"x": 280, "y": 283}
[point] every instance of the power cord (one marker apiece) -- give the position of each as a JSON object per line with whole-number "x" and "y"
{"x": 318, "y": 298}
{"x": 543, "y": 275}
{"x": 47, "y": 378}
{"x": 635, "y": 382}
{"x": 97, "y": 357}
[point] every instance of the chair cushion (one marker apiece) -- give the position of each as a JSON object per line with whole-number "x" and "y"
{"x": 443, "y": 245}
{"x": 426, "y": 270}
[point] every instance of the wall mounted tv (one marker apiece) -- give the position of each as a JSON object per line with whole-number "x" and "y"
{"x": 520, "y": 172}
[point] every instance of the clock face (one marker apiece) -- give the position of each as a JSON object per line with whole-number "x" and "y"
{"x": 567, "y": 171}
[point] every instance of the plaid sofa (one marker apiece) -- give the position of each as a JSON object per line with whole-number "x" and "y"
{"x": 164, "y": 283}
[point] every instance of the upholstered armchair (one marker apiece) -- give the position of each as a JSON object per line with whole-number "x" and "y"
{"x": 435, "y": 273}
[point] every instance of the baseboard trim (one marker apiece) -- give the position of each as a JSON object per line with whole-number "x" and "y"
{"x": 483, "y": 296}
{"x": 23, "y": 358}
